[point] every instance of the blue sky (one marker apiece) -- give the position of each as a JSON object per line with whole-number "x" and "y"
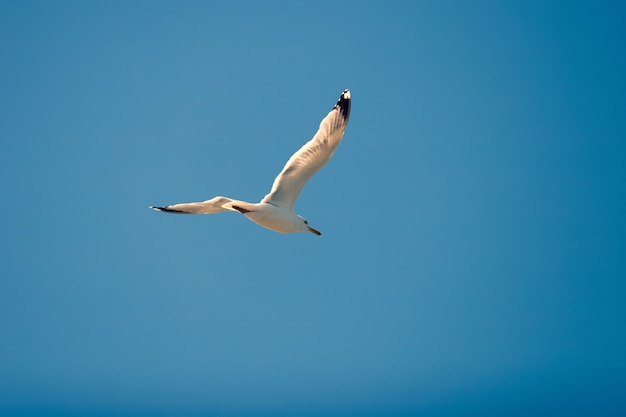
{"x": 473, "y": 252}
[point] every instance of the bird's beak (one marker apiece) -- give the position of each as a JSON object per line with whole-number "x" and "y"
{"x": 317, "y": 232}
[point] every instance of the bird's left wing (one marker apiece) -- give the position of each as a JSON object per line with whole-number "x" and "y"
{"x": 310, "y": 157}
{"x": 211, "y": 206}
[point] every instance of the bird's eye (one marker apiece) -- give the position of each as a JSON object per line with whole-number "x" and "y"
{"x": 305, "y": 222}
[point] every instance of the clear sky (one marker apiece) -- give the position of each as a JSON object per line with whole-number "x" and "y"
{"x": 473, "y": 257}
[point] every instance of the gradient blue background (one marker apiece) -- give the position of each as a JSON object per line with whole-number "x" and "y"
{"x": 473, "y": 256}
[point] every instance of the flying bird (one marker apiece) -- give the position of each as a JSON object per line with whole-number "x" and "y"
{"x": 276, "y": 210}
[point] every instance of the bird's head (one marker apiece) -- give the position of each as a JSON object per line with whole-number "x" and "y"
{"x": 305, "y": 227}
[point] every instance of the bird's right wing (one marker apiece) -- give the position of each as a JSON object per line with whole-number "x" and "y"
{"x": 214, "y": 205}
{"x": 311, "y": 156}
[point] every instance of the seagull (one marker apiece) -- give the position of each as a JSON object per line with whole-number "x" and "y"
{"x": 276, "y": 210}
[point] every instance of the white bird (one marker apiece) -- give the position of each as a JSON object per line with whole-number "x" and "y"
{"x": 276, "y": 210}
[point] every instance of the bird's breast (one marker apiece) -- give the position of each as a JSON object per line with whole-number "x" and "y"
{"x": 273, "y": 217}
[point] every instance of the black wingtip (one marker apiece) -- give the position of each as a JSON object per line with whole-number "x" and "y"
{"x": 343, "y": 104}
{"x": 167, "y": 210}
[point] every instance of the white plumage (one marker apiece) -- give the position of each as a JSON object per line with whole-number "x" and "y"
{"x": 276, "y": 209}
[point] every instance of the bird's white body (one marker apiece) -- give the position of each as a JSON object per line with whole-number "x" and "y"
{"x": 276, "y": 210}
{"x": 273, "y": 217}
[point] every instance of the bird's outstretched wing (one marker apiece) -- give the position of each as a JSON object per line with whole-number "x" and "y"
{"x": 211, "y": 206}
{"x": 310, "y": 157}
